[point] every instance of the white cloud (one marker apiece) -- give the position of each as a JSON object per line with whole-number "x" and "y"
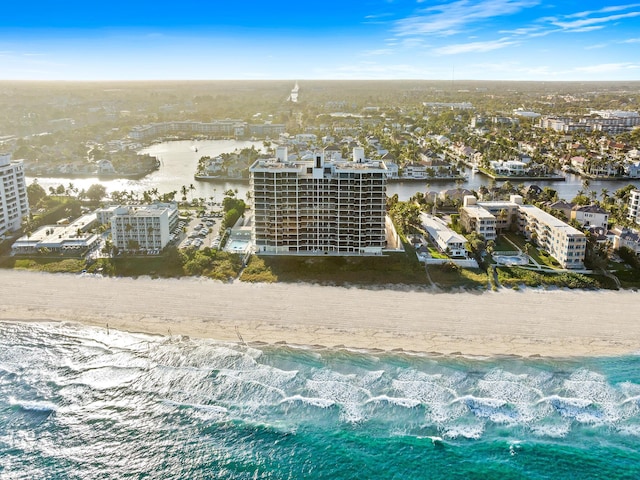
{"x": 615, "y": 8}
{"x": 575, "y": 24}
{"x": 631, "y": 40}
{"x": 449, "y": 19}
{"x": 380, "y": 51}
{"x": 412, "y": 43}
{"x": 474, "y": 47}
{"x": 596, "y": 46}
{"x": 520, "y": 31}
{"x": 585, "y": 29}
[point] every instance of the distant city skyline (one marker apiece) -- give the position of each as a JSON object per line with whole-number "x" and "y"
{"x": 371, "y": 39}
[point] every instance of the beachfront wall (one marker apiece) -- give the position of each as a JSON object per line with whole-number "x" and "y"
{"x": 319, "y": 207}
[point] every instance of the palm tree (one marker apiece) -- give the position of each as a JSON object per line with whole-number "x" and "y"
{"x": 502, "y": 216}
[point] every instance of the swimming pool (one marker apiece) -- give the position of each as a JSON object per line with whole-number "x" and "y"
{"x": 509, "y": 260}
{"x": 237, "y": 246}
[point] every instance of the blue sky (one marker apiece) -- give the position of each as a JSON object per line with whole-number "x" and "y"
{"x": 330, "y": 39}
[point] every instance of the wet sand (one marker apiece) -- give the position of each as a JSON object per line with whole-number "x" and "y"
{"x": 530, "y": 322}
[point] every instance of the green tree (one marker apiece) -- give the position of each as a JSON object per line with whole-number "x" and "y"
{"x": 96, "y": 192}
{"x": 35, "y": 193}
{"x": 405, "y": 216}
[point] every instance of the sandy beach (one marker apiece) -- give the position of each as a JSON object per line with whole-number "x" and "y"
{"x": 530, "y": 322}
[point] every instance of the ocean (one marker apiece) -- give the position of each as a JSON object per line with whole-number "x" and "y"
{"x": 79, "y": 402}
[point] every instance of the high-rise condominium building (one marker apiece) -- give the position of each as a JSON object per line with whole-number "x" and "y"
{"x": 14, "y": 205}
{"x": 319, "y": 207}
{"x": 634, "y": 206}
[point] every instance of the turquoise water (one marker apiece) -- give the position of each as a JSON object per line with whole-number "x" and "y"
{"x": 78, "y": 403}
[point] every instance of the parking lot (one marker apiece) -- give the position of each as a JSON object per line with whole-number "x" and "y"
{"x": 200, "y": 232}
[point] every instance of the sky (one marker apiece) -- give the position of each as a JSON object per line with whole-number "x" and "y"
{"x": 565, "y": 40}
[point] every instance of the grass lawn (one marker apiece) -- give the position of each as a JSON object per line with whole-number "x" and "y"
{"x": 130, "y": 266}
{"x": 512, "y": 277}
{"x": 448, "y": 277}
{"x": 502, "y": 245}
{"x": 629, "y": 277}
{"x": 45, "y": 264}
{"x": 540, "y": 256}
{"x": 434, "y": 252}
{"x": 393, "y": 268}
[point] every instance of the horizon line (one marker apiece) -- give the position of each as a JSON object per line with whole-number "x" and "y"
{"x": 308, "y": 79}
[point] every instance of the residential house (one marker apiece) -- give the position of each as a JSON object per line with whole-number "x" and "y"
{"x": 414, "y": 171}
{"x": 509, "y": 167}
{"x": 448, "y": 241}
{"x": 590, "y": 215}
{"x": 625, "y": 237}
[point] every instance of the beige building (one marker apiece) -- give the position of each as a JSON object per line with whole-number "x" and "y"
{"x": 565, "y": 243}
{"x": 315, "y": 206}
{"x": 475, "y": 218}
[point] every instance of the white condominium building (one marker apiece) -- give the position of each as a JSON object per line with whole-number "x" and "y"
{"x": 565, "y": 243}
{"x": 634, "y": 206}
{"x": 313, "y": 206}
{"x": 475, "y": 218}
{"x": 14, "y": 205}
{"x": 145, "y": 227}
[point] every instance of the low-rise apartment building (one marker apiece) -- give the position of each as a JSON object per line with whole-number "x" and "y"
{"x": 74, "y": 239}
{"x": 565, "y": 243}
{"x": 475, "y": 218}
{"x": 142, "y": 227}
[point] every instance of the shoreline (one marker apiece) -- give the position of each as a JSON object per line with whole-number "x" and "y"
{"x": 555, "y": 323}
